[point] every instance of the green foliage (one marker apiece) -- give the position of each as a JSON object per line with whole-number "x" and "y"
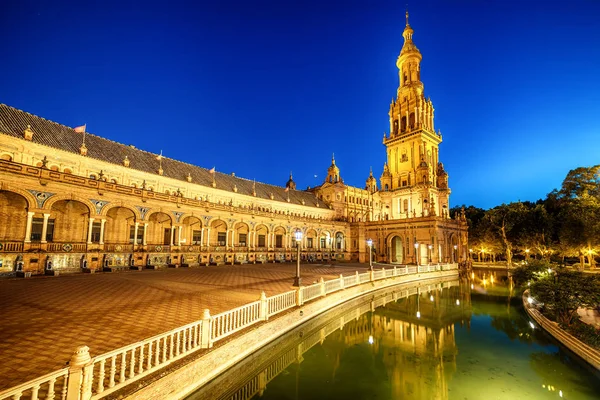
{"x": 563, "y": 292}
{"x": 584, "y": 332}
{"x": 530, "y": 272}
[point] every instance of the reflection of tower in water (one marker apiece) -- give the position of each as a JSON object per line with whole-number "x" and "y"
{"x": 419, "y": 353}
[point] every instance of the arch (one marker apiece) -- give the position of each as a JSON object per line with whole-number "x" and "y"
{"x": 68, "y": 221}
{"x": 340, "y": 238}
{"x": 311, "y": 238}
{"x": 325, "y": 240}
{"x": 242, "y": 233}
{"x": 218, "y": 232}
{"x": 31, "y": 202}
{"x": 108, "y": 207}
{"x": 6, "y": 157}
{"x": 120, "y": 225}
{"x": 160, "y": 228}
{"x": 411, "y": 120}
{"x": 70, "y": 197}
{"x": 396, "y": 249}
{"x": 13, "y": 218}
{"x": 403, "y": 124}
{"x": 191, "y": 230}
{"x": 261, "y": 232}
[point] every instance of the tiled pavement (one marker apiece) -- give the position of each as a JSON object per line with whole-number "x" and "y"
{"x": 44, "y": 319}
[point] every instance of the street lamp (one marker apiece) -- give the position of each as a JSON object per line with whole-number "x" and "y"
{"x": 370, "y": 244}
{"x": 417, "y": 253}
{"x": 297, "y": 279}
{"x": 429, "y": 247}
{"x": 471, "y": 254}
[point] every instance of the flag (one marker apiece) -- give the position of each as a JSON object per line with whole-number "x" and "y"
{"x": 80, "y": 129}
{"x": 212, "y": 170}
{"x": 287, "y": 189}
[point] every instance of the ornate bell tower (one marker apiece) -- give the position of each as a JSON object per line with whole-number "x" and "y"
{"x": 412, "y": 144}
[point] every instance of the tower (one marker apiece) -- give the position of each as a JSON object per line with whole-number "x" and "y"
{"x": 411, "y": 171}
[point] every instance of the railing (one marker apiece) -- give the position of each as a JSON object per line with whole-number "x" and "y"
{"x": 49, "y": 386}
{"x": 67, "y": 247}
{"x": 111, "y": 371}
{"x": 231, "y": 321}
{"x": 281, "y": 302}
{"x": 95, "y": 378}
{"x": 11, "y": 247}
{"x": 118, "y": 247}
{"x": 311, "y": 292}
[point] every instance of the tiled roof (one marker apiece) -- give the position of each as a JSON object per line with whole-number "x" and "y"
{"x": 13, "y": 122}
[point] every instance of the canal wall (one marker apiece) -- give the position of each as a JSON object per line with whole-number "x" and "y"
{"x": 589, "y": 354}
{"x": 185, "y": 380}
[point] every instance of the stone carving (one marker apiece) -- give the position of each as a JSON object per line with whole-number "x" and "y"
{"x": 177, "y": 215}
{"x": 41, "y": 197}
{"x": 143, "y": 211}
{"x": 99, "y": 205}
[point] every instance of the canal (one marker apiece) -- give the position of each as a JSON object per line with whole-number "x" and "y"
{"x": 437, "y": 340}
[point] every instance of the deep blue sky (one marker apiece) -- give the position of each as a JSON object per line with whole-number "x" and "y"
{"x": 260, "y": 88}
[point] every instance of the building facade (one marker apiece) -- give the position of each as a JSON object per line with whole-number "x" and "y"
{"x": 71, "y": 201}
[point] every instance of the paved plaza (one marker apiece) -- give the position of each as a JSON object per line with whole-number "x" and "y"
{"x": 44, "y": 319}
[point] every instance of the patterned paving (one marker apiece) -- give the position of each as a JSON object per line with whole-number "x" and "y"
{"x": 44, "y": 319}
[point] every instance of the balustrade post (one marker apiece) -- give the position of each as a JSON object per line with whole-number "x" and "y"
{"x": 299, "y": 296}
{"x": 395, "y": 271}
{"x": 322, "y": 282}
{"x": 342, "y": 286}
{"x": 372, "y": 275}
{"x": 264, "y": 307}
{"x": 79, "y": 382}
{"x": 206, "y": 340}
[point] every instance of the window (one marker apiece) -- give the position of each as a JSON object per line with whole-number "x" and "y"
{"x": 140, "y": 234}
{"x": 323, "y": 243}
{"x": 261, "y": 241}
{"x": 279, "y": 241}
{"x": 36, "y": 229}
{"x": 196, "y": 237}
{"x": 96, "y": 232}
{"x": 242, "y": 239}
{"x": 221, "y": 238}
{"x": 309, "y": 243}
{"x": 404, "y": 182}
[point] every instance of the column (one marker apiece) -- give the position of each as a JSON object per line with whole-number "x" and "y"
{"x": 179, "y": 228}
{"x": 90, "y": 225}
{"x": 145, "y": 233}
{"x": 172, "y": 231}
{"x": 227, "y": 238}
{"x": 201, "y": 236}
{"x": 30, "y": 215}
{"x": 233, "y": 237}
{"x": 254, "y": 239}
{"x": 102, "y": 222}
{"x": 207, "y": 237}
{"x": 135, "y": 232}
{"x": 45, "y": 228}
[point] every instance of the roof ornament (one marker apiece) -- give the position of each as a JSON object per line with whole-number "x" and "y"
{"x": 144, "y": 184}
{"x": 159, "y": 158}
{"x": 45, "y": 162}
{"x": 126, "y": 161}
{"x": 407, "y": 15}
{"x": 28, "y": 133}
{"x": 188, "y": 177}
{"x": 254, "y": 188}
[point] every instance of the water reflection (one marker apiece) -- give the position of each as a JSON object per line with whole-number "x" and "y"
{"x": 433, "y": 341}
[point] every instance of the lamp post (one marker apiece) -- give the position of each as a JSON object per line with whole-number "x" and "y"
{"x": 297, "y": 279}
{"x": 417, "y": 253}
{"x": 454, "y": 254}
{"x": 471, "y": 254}
{"x": 370, "y": 244}
{"x": 429, "y": 247}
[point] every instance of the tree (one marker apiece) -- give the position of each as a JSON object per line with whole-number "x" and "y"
{"x": 563, "y": 292}
{"x": 530, "y": 272}
{"x": 507, "y": 220}
{"x": 581, "y": 182}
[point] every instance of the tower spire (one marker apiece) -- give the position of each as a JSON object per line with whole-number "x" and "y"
{"x": 407, "y": 15}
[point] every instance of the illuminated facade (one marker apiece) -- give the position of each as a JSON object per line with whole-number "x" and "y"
{"x": 71, "y": 201}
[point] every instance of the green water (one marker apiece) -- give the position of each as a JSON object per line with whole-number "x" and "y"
{"x": 444, "y": 343}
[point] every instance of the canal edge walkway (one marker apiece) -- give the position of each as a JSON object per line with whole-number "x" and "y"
{"x": 587, "y": 353}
